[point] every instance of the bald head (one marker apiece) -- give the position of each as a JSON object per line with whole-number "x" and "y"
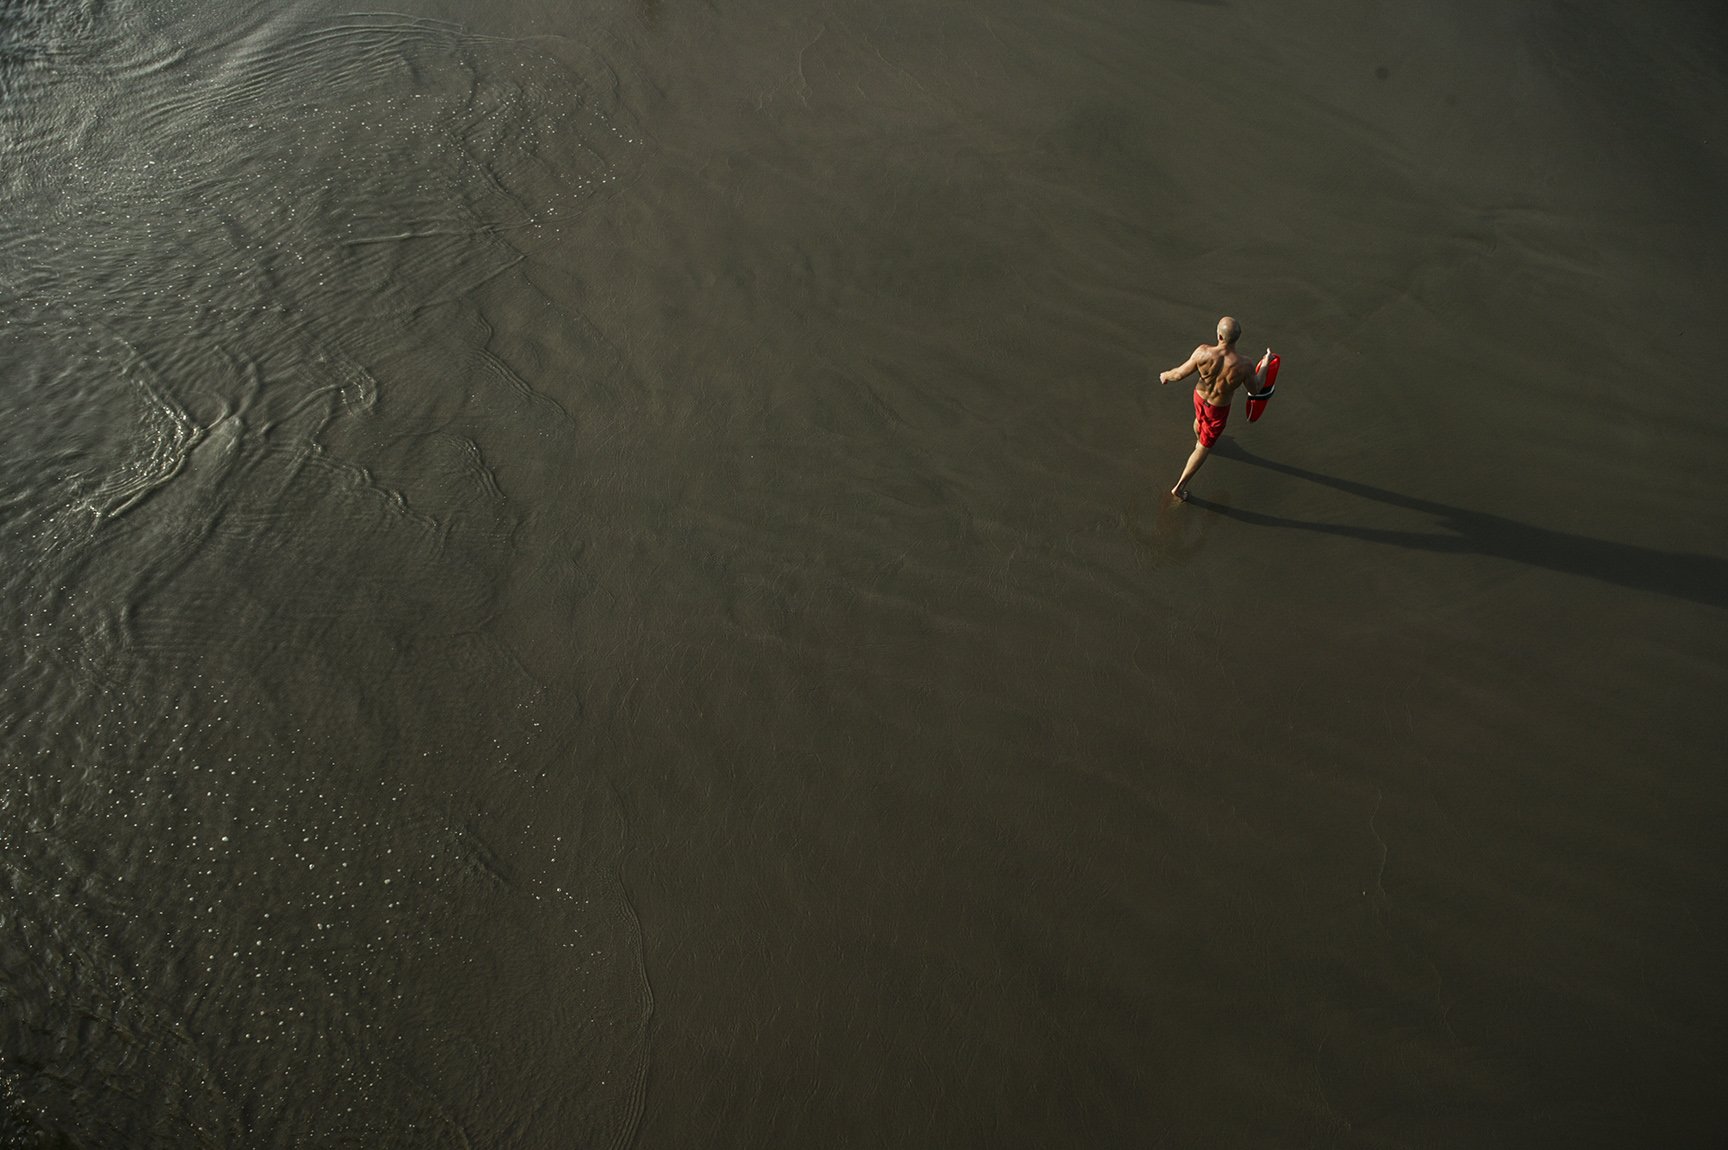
{"x": 1229, "y": 331}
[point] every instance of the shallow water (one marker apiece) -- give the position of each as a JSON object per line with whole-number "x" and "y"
{"x": 601, "y": 577}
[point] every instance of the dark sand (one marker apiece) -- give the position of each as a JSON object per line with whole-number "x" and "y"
{"x": 578, "y": 575}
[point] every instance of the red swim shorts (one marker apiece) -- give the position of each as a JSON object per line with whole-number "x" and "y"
{"x": 1211, "y": 420}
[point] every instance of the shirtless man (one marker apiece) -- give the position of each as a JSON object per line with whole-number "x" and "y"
{"x": 1222, "y": 371}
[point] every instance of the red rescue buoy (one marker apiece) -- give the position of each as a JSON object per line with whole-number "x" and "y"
{"x": 1265, "y": 382}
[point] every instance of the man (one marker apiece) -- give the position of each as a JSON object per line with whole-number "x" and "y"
{"x": 1222, "y": 371}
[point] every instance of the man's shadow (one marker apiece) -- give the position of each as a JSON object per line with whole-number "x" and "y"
{"x": 1698, "y": 578}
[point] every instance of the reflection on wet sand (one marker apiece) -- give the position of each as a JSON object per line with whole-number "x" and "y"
{"x": 1170, "y": 531}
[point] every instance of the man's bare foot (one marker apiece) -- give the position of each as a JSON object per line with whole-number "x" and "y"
{"x": 1180, "y": 493}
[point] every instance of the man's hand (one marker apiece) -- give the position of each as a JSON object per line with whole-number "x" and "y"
{"x": 1163, "y": 377}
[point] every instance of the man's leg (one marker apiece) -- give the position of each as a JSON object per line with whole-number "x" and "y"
{"x": 1201, "y": 451}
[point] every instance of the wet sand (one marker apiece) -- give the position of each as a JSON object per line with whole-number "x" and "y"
{"x": 680, "y": 490}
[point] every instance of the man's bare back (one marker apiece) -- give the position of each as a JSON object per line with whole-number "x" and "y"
{"x": 1222, "y": 371}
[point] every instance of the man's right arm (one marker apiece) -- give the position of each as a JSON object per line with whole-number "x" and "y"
{"x": 1183, "y": 372}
